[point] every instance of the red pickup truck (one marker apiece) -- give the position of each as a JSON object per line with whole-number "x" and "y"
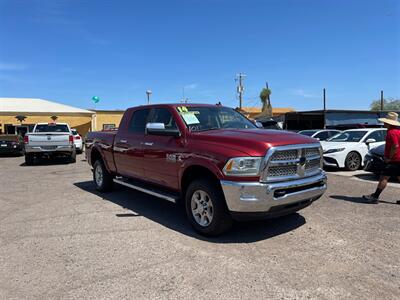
{"x": 210, "y": 158}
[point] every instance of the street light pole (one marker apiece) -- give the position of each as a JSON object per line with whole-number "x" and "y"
{"x": 324, "y": 98}
{"x": 148, "y": 92}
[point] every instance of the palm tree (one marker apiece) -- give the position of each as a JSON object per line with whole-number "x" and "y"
{"x": 266, "y": 102}
{"x": 20, "y": 118}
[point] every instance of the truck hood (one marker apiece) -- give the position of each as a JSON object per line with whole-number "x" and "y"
{"x": 254, "y": 142}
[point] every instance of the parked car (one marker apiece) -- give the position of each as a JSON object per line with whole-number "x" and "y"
{"x": 269, "y": 123}
{"x": 77, "y": 141}
{"x": 320, "y": 134}
{"x": 49, "y": 139}
{"x": 348, "y": 149}
{"x": 210, "y": 158}
{"x": 11, "y": 144}
{"x": 342, "y": 127}
{"x": 374, "y": 160}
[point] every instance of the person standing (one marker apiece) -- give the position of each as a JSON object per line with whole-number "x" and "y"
{"x": 392, "y": 156}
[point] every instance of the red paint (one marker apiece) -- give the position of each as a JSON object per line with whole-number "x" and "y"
{"x": 126, "y": 153}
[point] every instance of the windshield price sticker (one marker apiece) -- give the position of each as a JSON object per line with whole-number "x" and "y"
{"x": 183, "y": 109}
{"x": 189, "y": 118}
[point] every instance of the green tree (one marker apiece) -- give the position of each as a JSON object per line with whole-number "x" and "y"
{"x": 266, "y": 102}
{"x": 388, "y": 104}
{"x": 20, "y": 118}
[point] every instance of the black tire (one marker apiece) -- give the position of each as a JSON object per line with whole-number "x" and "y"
{"x": 353, "y": 161}
{"x": 105, "y": 184}
{"x": 29, "y": 159}
{"x": 78, "y": 151}
{"x": 221, "y": 220}
{"x": 72, "y": 158}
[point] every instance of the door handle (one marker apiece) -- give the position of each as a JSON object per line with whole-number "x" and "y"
{"x": 123, "y": 141}
{"x": 148, "y": 144}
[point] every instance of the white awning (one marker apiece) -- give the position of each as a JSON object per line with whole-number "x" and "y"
{"x": 30, "y": 105}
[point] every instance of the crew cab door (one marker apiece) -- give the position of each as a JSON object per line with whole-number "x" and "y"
{"x": 128, "y": 146}
{"x": 162, "y": 154}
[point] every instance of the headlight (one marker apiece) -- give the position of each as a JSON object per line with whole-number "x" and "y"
{"x": 333, "y": 150}
{"x": 243, "y": 166}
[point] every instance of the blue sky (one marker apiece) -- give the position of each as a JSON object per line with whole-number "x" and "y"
{"x": 69, "y": 51}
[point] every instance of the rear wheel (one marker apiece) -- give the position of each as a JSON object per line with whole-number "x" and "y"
{"x": 29, "y": 159}
{"x": 353, "y": 161}
{"x": 72, "y": 158}
{"x": 101, "y": 177}
{"x": 206, "y": 208}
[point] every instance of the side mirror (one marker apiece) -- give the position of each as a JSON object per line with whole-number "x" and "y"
{"x": 259, "y": 124}
{"x": 159, "y": 129}
{"x": 370, "y": 141}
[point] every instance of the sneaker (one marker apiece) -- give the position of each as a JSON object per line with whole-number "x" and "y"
{"x": 370, "y": 199}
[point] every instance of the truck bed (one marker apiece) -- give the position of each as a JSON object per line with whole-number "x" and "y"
{"x": 105, "y": 139}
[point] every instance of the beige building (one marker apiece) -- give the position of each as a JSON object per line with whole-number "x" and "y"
{"x": 107, "y": 119}
{"x": 254, "y": 112}
{"x": 19, "y": 115}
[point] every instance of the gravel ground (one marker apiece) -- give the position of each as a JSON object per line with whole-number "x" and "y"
{"x": 59, "y": 238}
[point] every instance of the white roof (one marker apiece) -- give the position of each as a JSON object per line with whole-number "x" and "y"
{"x": 30, "y": 105}
{"x": 365, "y": 129}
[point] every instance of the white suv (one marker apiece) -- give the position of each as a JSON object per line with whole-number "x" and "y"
{"x": 77, "y": 141}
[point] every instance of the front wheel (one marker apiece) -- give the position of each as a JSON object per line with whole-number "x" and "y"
{"x": 353, "y": 161}
{"x": 101, "y": 177}
{"x": 206, "y": 208}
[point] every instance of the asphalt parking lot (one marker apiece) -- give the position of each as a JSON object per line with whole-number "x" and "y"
{"x": 59, "y": 238}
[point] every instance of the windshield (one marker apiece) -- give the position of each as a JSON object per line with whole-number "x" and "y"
{"x": 74, "y": 132}
{"x": 51, "y": 128}
{"x": 211, "y": 118}
{"x": 308, "y": 132}
{"x": 348, "y": 136}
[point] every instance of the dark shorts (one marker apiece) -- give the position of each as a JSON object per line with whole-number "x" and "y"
{"x": 392, "y": 170}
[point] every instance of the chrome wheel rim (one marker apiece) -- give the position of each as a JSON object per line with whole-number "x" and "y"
{"x": 354, "y": 161}
{"x": 98, "y": 175}
{"x": 202, "y": 208}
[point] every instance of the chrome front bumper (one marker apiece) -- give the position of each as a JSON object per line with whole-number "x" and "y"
{"x": 47, "y": 149}
{"x": 251, "y": 197}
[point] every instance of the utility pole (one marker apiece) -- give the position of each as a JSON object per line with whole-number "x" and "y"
{"x": 240, "y": 88}
{"x": 324, "y": 97}
{"x": 382, "y": 101}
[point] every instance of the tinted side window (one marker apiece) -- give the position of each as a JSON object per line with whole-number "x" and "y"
{"x": 322, "y": 136}
{"x": 377, "y": 136}
{"x": 332, "y": 133}
{"x": 138, "y": 121}
{"x": 163, "y": 115}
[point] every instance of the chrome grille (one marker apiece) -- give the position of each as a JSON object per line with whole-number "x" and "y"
{"x": 310, "y": 152}
{"x": 292, "y": 162}
{"x": 285, "y": 155}
{"x": 279, "y": 171}
{"x": 313, "y": 164}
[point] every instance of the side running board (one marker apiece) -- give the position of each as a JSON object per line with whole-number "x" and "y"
{"x": 153, "y": 192}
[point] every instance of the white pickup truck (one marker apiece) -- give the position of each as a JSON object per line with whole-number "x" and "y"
{"x": 49, "y": 139}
